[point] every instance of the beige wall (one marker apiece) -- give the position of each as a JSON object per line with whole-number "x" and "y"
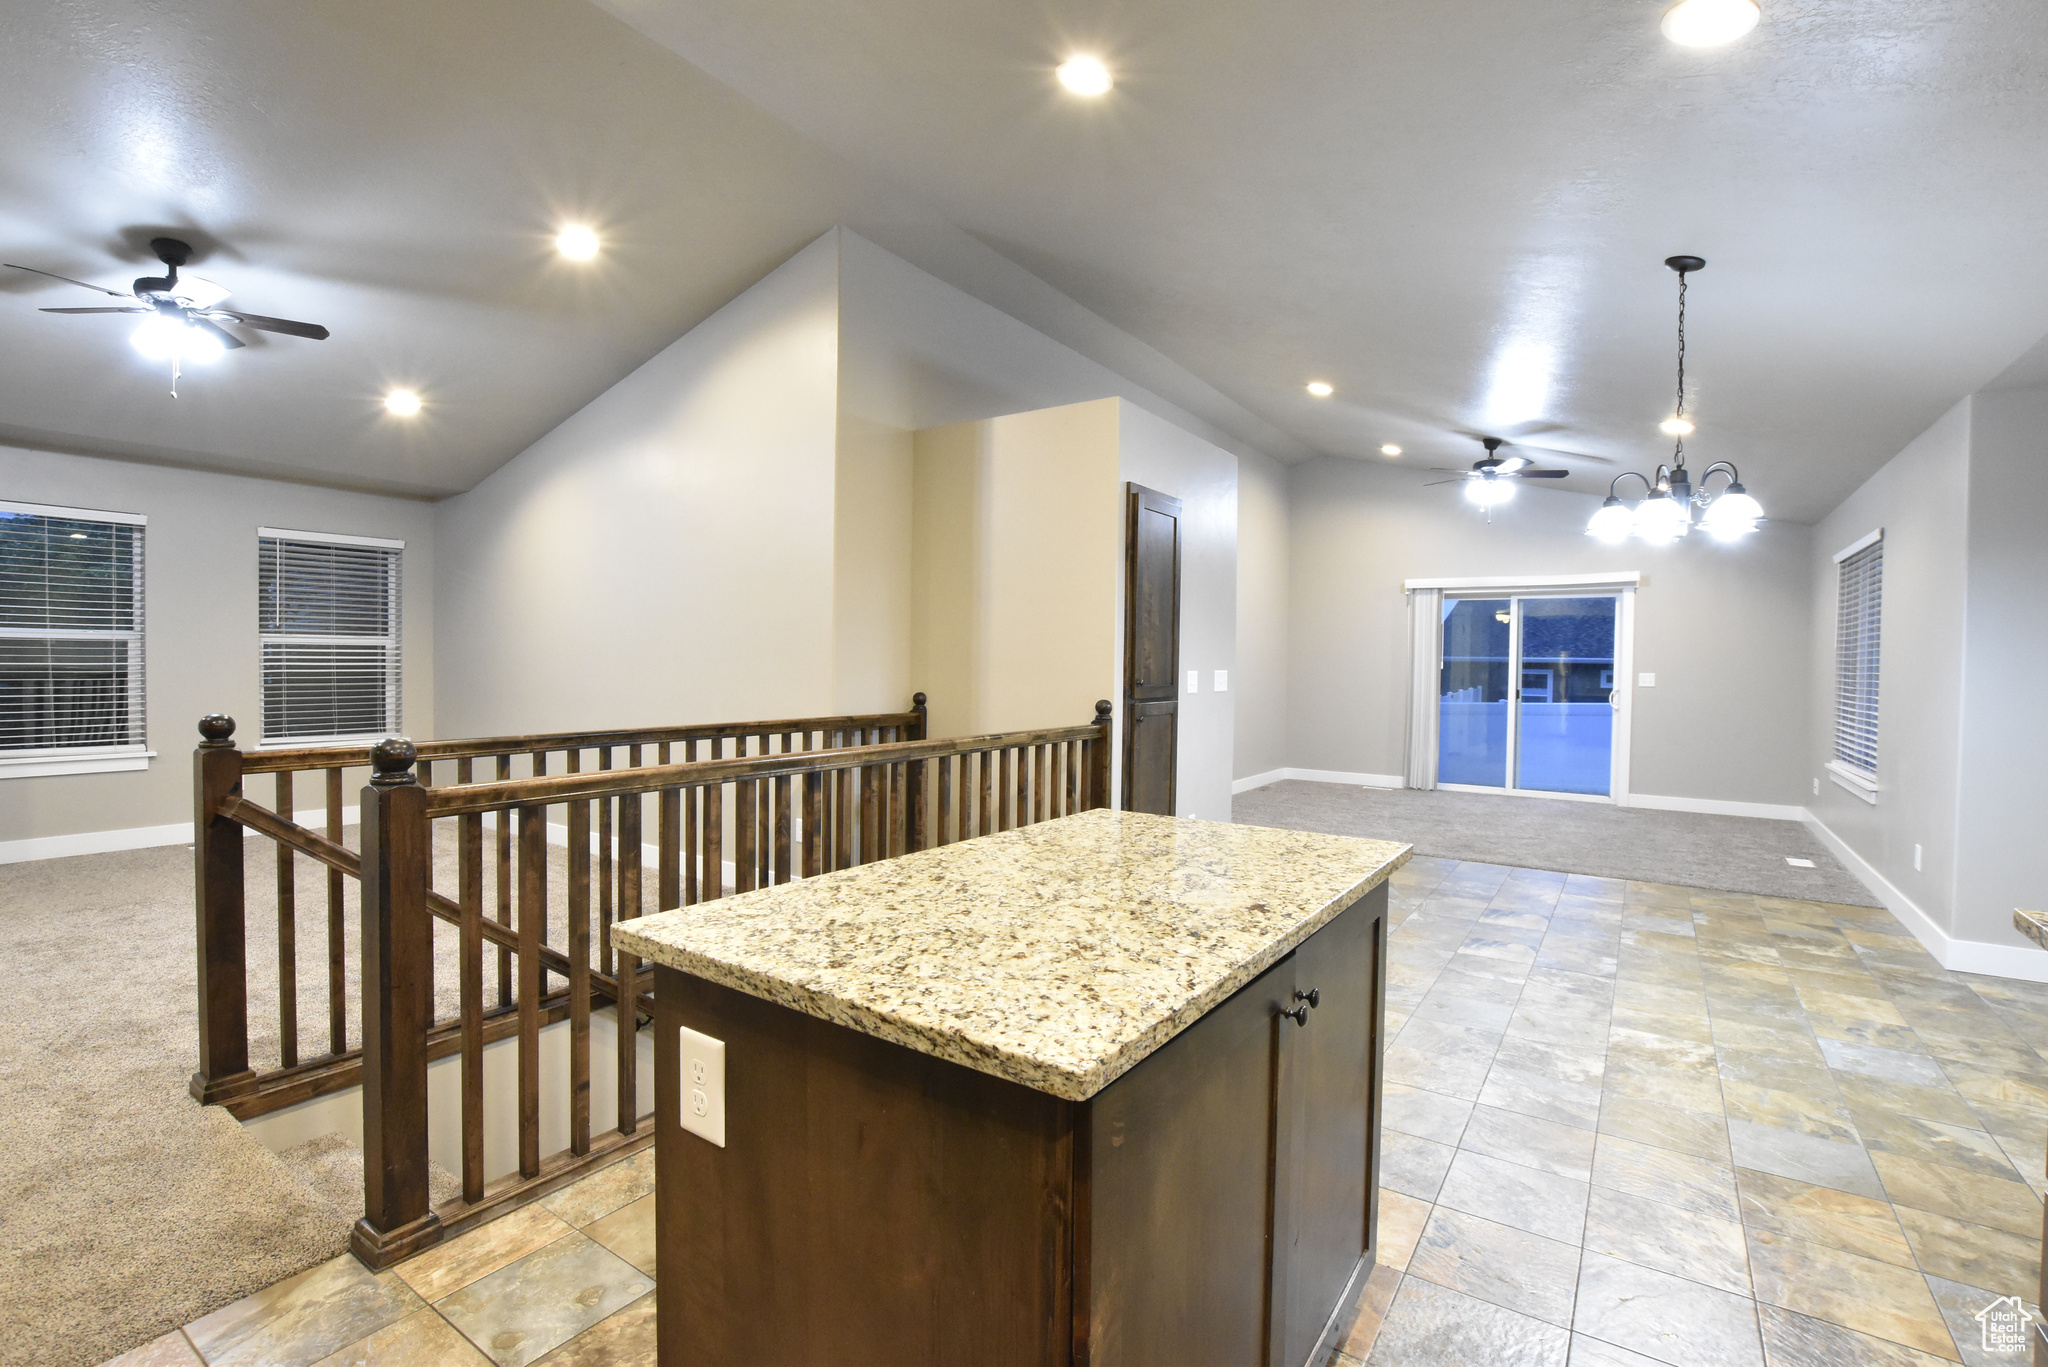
{"x": 1259, "y": 739}
{"x": 668, "y": 554}
{"x": 1158, "y": 455}
{"x": 1017, "y": 543}
{"x": 1726, "y": 629}
{"x": 1921, "y": 500}
{"x": 200, "y": 649}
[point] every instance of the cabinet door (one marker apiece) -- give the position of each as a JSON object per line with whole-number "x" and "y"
{"x": 1176, "y": 1218}
{"x": 1327, "y": 1086}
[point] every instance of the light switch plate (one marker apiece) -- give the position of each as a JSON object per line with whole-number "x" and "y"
{"x": 703, "y": 1060}
{"x": 1646, "y": 681}
{"x": 1222, "y": 681}
{"x": 1194, "y": 681}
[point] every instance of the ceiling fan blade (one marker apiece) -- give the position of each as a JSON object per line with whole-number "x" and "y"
{"x": 1541, "y": 474}
{"x": 110, "y": 308}
{"x": 1510, "y": 464}
{"x": 263, "y": 324}
{"x": 219, "y": 333}
{"x": 1433, "y": 483}
{"x": 1447, "y": 470}
{"x": 101, "y": 289}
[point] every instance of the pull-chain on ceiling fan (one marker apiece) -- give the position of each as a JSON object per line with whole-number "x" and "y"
{"x": 184, "y": 314}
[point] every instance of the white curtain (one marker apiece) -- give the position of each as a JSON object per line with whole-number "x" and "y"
{"x": 1425, "y": 663}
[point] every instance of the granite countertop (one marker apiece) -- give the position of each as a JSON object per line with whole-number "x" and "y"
{"x": 2033, "y": 925}
{"x": 1058, "y": 955}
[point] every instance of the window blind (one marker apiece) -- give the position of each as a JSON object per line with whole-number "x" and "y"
{"x": 328, "y": 621}
{"x": 1860, "y": 599}
{"x": 70, "y": 631}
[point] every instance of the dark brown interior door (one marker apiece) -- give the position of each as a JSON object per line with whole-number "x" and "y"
{"x": 1151, "y": 650}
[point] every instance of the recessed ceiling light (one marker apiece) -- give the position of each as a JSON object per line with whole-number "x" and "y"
{"x": 403, "y": 402}
{"x": 1675, "y": 427}
{"x": 577, "y": 241}
{"x": 1085, "y": 76}
{"x": 1709, "y": 23}
{"x": 1390, "y": 450}
{"x": 1320, "y": 388}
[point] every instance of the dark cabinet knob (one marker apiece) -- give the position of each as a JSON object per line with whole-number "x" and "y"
{"x": 1299, "y": 1015}
{"x": 1314, "y": 997}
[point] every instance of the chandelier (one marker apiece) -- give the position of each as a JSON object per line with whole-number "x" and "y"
{"x": 1671, "y": 507}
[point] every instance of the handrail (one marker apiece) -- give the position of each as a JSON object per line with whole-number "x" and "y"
{"x": 724, "y": 825}
{"x": 507, "y": 794}
{"x": 358, "y": 756}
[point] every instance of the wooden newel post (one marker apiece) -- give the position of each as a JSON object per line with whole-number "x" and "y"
{"x": 223, "y": 961}
{"x": 917, "y": 831}
{"x": 1099, "y": 794}
{"x": 398, "y": 1009}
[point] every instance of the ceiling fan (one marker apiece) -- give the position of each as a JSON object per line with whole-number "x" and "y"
{"x": 184, "y": 322}
{"x": 1487, "y": 482}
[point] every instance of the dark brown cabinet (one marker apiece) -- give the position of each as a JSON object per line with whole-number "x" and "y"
{"x": 874, "y": 1206}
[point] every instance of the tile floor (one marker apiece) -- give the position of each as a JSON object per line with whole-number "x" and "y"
{"x": 1630, "y": 1124}
{"x": 1626, "y": 1125}
{"x": 565, "y": 1282}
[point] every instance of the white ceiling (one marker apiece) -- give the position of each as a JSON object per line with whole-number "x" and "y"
{"x": 1456, "y": 213}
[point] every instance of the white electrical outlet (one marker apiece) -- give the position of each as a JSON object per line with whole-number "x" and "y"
{"x": 1916, "y": 859}
{"x": 1194, "y": 681}
{"x": 1222, "y": 681}
{"x": 703, "y": 1085}
{"x": 1646, "y": 681}
{"x": 1799, "y": 863}
{"x": 1816, "y": 787}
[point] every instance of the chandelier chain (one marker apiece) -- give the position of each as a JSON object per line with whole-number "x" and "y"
{"x": 1678, "y": 446}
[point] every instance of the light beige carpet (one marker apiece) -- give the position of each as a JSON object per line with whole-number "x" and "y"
{"x": 126, "y": 1209}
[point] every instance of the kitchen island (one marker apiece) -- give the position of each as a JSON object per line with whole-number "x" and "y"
{"x": 1101, "y": 1090}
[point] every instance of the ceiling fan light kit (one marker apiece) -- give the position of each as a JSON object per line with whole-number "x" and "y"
{"x": 1671, "y": 508}
{"x": 182, "y": 322}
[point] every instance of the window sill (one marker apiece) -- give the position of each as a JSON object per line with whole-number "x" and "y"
{"x": 325, "y": 742}
{"x": 49, "y": 763}
{"x": 1855, "y": 781}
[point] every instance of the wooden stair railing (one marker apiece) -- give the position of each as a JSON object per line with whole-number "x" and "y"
{"x": 223, "y": 814}
{"x": 779, "y": 817}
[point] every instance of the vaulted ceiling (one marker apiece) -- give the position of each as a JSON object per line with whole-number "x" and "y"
{"x": 1454, "y": 213}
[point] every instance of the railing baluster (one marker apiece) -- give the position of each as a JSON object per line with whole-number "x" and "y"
{"x": 533, "y": 891}
{"x": 605, "y": 807}
{"x": 693, "y": 887}
{"x": 469, "y": 858}
{"x": 287, "y": 936}
{"x": 627, "y": 965}
{"x": 669, "y": 816}
{"x": 714, "y": 837}
{"x": 337, "y": 938}
{"x": 579, "y": 973}
{"x": 744, "y": 827}
{"x": 870, "y": 811}
{"x": 503, "y": 823}
{"x": 814, "y": 824}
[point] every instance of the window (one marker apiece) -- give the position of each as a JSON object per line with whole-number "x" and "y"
{"x": 328, "y": 620}
{"x": 70, "y": 641}
{"x": 1859, "y": 609}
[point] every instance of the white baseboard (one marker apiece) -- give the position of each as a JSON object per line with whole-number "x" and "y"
{"x": 1712, "y": 806}
{"x": 94, "y": 842}
{"x": 2023, "y": 962}
{"x": 1245, "y": 785}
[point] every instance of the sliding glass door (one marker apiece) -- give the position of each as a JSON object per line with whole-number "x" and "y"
{"x": 1527, "y": 693}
